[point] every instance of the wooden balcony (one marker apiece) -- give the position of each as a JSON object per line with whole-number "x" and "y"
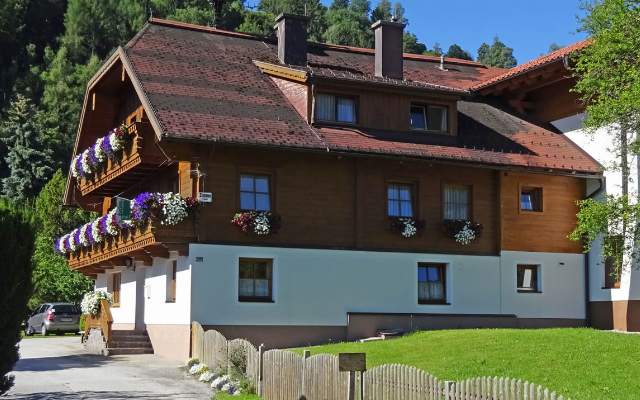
{"x": 141, "y": 244}
{"x": 140, "y": 159}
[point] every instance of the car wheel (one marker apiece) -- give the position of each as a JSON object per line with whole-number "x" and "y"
{"x": 28, "y": 330}
{"x": 44, "y": 331}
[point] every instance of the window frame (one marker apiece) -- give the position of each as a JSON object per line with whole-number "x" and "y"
{"x": 413, "y": 187}
{"x": 172, "y": 282}
{"x": 115, "y": 294}
{"x": 256, "y": 173}
{"x": 470, "y": 187}
{"x": 521, "y": 189}
{"x": 537, "y": 277}
{"x": 255, "y": 299}
{"x": 336, "y": 95}
{"x": 425, "y": 112}
{"x": 444, "y": 268}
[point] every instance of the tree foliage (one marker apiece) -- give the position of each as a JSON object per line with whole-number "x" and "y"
{"x": 53, "y": 279}
{"x": 608, "y": 75}
{"x": 311, "y": 8}
{"x": 16, "y": 237}
{"x": 496, "y": 55}
{"x": 455, "y": 51}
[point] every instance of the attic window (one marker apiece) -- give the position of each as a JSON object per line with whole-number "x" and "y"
{"x": 332, "y": 108}
{"x": 531, "y": 199}
{"x": 429, "y": 118}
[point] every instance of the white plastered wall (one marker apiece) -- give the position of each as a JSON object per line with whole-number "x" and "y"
{"x": 319, "y": 287}
{"x": 157, "y": 310}
{"x": 599, "y": 146}
{"x": 125, "y": 313}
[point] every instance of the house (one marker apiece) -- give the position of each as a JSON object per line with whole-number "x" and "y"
{"x": 368, "y": 189}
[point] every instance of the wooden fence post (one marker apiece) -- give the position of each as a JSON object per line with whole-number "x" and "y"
{"x": 449, "y": 390}
{"x": 305, "y": 354}
{"x": 260, "y": 389}
{"x": 351, "y": 394}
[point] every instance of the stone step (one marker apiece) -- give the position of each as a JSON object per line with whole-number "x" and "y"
{"x": 129, "y": 350}
{"x": 129, "y": 344}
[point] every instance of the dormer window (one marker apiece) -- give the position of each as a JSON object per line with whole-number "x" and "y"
{"x": 429, "y": 118}
{"x": 334, "y": 108}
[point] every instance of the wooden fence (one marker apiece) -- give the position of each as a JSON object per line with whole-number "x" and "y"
{"x": 285, "y": 375}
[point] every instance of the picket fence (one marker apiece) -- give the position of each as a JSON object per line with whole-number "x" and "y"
{"x": 284, "y": 375}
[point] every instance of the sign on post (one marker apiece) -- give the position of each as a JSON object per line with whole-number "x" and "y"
{"x": 205, "y": 197}
{"x": 352, "y": 362}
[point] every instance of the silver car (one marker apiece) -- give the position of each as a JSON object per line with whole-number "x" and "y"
{"x": 53, "y": 317}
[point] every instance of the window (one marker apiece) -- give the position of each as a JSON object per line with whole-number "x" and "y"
{"x": 431, "y": 283}
{"x": 429, "y": 118}
{"x": 527, "y": 278}
{"x": 256, "y": 280}
{"x": 115, "y": 288}
{"x": 172, "y": 273}
{"x": 254, "y": 193}
{"x": 457, "y": 199}
{"x": 531, "y": 199}
{"x": 334, "y": 108}
{"x": 399, "y": 200}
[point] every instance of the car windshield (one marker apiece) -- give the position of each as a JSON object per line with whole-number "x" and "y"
{"x": 66, "y": 309}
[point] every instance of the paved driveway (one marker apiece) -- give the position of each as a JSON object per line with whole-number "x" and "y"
{"x": 58, "y": 368}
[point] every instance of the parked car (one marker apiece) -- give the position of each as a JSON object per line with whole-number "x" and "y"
{"x": 53, "y": 317}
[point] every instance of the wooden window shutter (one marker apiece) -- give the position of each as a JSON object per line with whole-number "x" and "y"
{"x": 106, "y": 205}
{"x": 188, "y": 183}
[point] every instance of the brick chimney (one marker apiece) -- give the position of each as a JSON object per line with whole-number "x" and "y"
{"x": 292, "y": 38}
{"x": 388, "y": 48}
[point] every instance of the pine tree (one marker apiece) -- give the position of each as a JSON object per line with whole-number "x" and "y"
{"x": 349, "y": 24}
{"x": 496, "y": 55}
{"x": 28, "y": 160}
{"x": 311, "y": 8}
{"x": 16, "y": 237}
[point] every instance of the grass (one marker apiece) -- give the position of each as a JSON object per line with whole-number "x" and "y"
{"x": 225, "y": 396}
{"x": 578, "y": 363}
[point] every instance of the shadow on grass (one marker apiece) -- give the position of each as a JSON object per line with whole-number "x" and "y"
{"x": 91, "y": 395}
{"x": 61, "y": 362}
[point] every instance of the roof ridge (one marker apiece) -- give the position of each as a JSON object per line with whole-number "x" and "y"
{"x": 202, "y": 28}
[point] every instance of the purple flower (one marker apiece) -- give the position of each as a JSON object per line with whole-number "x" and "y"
{"x": 76, "y": 237}
{"x": 106, "y": 146}
{"x": 56, "y": 245}
{"x": 142, "y": 206}
{"x": 65, "y": 243}
{"x": 93, "y": 160}
{"x": 79, "y": 166}
{"x": 102, "y": 225}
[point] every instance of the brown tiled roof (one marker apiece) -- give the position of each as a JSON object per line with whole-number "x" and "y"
{"x": 202, "y": 84}
{"x": 534, "y": 64}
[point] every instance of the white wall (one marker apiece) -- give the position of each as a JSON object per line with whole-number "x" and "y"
{"x": 319, "y": 287}
{"x": 157, "y": 310}
{"x": 599, "y": 147}
{"x": 126, "y": 312}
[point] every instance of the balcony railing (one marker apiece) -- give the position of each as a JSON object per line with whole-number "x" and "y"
{"x": 139, "y": 159}
{"x": 140, "y": 243}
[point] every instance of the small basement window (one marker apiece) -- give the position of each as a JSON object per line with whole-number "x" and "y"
{"x": 531, "y": 199}
{"x": 255, "y": 283}
{"x": 333, "y": 108}
{"x": 527, "y": 278}
{"x": 431, "y": 283}
{"x": 429, "y": 118}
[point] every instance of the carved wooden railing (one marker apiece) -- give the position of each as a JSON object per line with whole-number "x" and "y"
{"x": 152, "y": 239}
{"x": 134, "y": 154}
{"x": 102, "y": 321}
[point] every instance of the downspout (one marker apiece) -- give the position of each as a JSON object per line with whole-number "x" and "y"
{"x": 587, "y": 281}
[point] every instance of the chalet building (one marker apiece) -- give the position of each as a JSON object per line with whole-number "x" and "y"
{"x": 368, "y": 189}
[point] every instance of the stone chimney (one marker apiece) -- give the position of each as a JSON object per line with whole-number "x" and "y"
{"x": 388, "y": 48}
{"x": 292, "y": 38}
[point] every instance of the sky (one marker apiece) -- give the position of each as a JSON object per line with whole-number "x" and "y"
{"x": 528, "y": 26}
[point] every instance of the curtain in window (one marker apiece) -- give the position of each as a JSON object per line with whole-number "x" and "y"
{"x": 437, "y": 118}
{"x": 430, "y": 283}
{"x": 399, "y": 201}
{"x": 346, "y": 110}
{"x": 456, "y": 202}
{"x": 325, "y": 107}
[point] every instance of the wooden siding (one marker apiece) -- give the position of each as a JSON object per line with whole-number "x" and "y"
{"x": 544, "y": 231}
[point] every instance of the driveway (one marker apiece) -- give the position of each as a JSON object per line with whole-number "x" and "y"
{"x": 58, "y": 368}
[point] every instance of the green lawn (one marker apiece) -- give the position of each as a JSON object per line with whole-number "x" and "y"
{"x": 224, "y": 396}
{"x": 578, "y": 363}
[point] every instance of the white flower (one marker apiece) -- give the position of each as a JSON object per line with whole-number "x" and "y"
{"x": 115, "y": 142}
{"x": 61, "y": 248}
{"x": 174, "y": 208}
{"x": 100, "y": 155}
{"x": 72, "y": 240}
{"x": 409, "y": 227}
{"x": 198, "y": 369}
{"x": 206, "y": 376}
{"x": 219, "y": 382}
{"x": 74, "y": 167}
{"x": 84, "y": 239}
{"x": 86, "y": 167}
{"x": 466, "y": 235}
{"x": 112, "y": 226}
{"x": 90, "y": 303}
{"x": 228, "y": 388}
{"x": 261, "y": 224}
{"x": 95, "y": 232}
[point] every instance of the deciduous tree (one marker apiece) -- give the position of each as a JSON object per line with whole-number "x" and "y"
{"x": 496, "y": 55}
